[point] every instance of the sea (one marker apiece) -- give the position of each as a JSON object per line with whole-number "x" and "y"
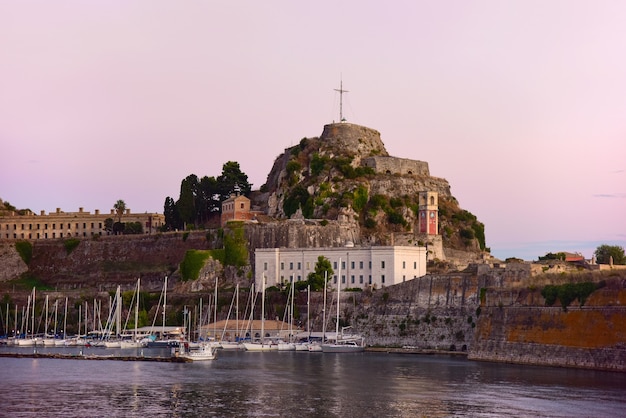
{"x": 299, "y": 384}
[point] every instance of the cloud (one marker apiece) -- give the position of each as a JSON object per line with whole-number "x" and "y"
{"x": 611, "y": 195}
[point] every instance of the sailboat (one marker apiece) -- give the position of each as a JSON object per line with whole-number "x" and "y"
{"x": 261, "y": 345}
{"x": 232, "y": 345}
{"x": 134, "y": 341}
{"x": 30, "y": 308}
{"x": 343, "y": 343}
{"x": 48, "y": 340}
{"x": 289, "y": 345}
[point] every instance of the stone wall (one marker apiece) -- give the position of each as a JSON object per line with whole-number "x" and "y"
{"x": 516, "y": 327}
{"x": 11, "y": 263}
{"x": 394, "y": 165}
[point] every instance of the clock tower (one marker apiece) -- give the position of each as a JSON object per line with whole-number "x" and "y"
{"x": 428, "y": 213}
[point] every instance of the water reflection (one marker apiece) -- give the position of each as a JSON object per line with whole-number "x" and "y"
{"x": 306, "y": 384}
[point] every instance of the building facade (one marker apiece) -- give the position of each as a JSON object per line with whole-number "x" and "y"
{"x": 235, "y": 208}
{"x": 362, "y": 267}
{"x": 79, "y": 224}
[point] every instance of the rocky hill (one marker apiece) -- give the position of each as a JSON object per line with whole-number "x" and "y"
{"x": 347, "y": 174}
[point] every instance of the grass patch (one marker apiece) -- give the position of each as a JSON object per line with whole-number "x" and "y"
{"x": 25, "y": 250}
{"x": 192, "y": 264}
{"x": 70, "y": 245}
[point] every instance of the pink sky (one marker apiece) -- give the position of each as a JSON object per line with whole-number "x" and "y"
{"x": 521, "y": 106}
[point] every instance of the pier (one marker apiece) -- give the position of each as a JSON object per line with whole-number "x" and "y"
{"x": 172, "y": 359}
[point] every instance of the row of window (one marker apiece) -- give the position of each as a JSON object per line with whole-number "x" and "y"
{"x": 343, "y": 279}
{"x": 343, "y": 265}
{"x": 45, "y": 226}
{"x": 45, "y": 235}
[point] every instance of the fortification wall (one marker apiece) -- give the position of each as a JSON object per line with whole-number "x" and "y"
{"x": 394, "y": 165}
{"x": 516, "y": 327}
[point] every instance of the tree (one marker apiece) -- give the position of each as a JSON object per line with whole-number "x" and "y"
{"x": 172, "y": 218}
{"x": 323, "y": 271}
{"x": 232, "y": 180}
{"x": 605, "y": 252}
{"x": 120, "y": 208}
{"x": 186, "y": 204}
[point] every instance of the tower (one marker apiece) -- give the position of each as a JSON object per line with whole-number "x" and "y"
{"x": 428, "y": 212}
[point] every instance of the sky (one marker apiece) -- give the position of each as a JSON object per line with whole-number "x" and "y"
{"x": 520, "y": 105}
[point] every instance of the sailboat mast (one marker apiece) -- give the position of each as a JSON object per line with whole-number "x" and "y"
{"x": 237, "y": 312}
{"x": 137, "y": 309}
{"x": 65, "y": 320}
{"x": 263, "y": 311}
{"x": 45, "y": 331}
{"x": 215, "y": 311}
{"x": 33, "y": 315}
{"x": 308, "y": 310}
{"x": 324, "y": 311}
{"x": 338, "y": 294}
{"x": 164, "y": 304}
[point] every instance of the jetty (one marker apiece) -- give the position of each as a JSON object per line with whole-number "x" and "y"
{"x": 172, "y": 359}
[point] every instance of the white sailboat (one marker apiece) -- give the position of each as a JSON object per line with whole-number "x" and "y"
{"x": 289, "y": 345}
{"x": 30, "y": 308}
{"x": 261, "y": 345}
{"x": 134, "y": 340}
{"x": 232, "y": 345}
{"x": 343, "y": 343}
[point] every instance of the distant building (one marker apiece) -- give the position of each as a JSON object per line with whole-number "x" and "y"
{"x": 362, "y": 267}
{"x": 237, "y": 208}
{"x": 79, "y": 224}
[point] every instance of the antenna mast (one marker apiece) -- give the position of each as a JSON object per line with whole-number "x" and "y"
{"x": 341, "y": 92}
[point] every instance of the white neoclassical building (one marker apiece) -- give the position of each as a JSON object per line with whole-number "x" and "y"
{"x": 359, "y": 266}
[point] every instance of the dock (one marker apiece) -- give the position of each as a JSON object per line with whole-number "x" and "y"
{"x": 172, "y": 359}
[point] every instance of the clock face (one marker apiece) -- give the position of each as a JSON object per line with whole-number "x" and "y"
{"x": 423, "y": 214}
{"x": 432, "y": 214}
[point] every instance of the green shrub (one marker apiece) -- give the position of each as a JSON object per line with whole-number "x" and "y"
{"x": 70, "y": 245}
{"x": 192, "y": 264}
{"x": 25, "y": 250}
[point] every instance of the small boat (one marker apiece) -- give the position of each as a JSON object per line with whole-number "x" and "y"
{"x": 204, "y": 352}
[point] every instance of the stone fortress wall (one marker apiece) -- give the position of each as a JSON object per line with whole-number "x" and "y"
{"x": 394, "y": 165}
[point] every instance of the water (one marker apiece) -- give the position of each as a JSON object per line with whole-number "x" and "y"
{"x": 290, "y": 384}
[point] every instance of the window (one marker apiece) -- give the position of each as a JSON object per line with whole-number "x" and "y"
{"x": 403, "y": 278}
{"x": 352, "y": 279}
{"x": 241, "y": 206}
{"x": 404, "y": 264}
{"x": 299, "y": 265}
{"x": 382, "y": 278}
{"x": 265, "y": 265}
{"x": 370, "y": 279}
{"x": 382, "y": 264}
{"x": 299, "y": 277}
{"x": 334, "y": 265}
{"x": 352, "y": 265}
{"x": 343, "y": 265}
{"x": 282, "y": 265}
{"x": 308, "y": 265}
{"x": 335, "y": 279}
{"x": 92, "y": 225}
{"x": 361, "y": 265}
{"x": 361, "y": 279}
{"x": 370, "y": 264}
{"x": 291, "y": 266}
{"x": 343, "y": 278}
{"x": 84, "y": 225}
{"x": 414, "y": 264}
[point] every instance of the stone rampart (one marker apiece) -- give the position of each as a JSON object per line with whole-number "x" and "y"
{"x": 394, "y": 165}
{"x": 516, "y": 327}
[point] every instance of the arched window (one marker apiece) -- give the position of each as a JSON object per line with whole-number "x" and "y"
{"x": 432, "y": 200}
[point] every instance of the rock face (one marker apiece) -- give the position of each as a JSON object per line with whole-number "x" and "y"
{"x": 12, "y": 263}
{"x": 347, "y": 175}
{"x": 516, "y": 327}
